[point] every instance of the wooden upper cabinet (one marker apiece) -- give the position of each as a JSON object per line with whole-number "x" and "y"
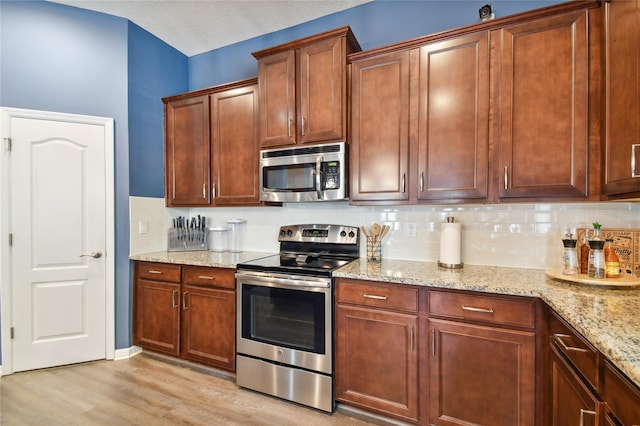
{"x": 379, "y": 145}
{"x": 622, "y": 97}
{"x": 542, "y": 107}
{"x": 276, "y": 74}
{"x": 303, "y": 89}
{"x": 211, "y": 146}
{"x": 234, "y": 171}
{"x": 187, "y": 151}
{"x": 453, "y": 136}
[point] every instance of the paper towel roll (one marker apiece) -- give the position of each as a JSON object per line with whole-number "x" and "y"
{"x": 450, "y": 245}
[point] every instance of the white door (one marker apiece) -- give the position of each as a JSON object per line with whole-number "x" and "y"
{"x": 58, "y": 225}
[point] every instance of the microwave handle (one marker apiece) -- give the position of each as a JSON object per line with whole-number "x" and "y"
{"x": 319, "y": 178}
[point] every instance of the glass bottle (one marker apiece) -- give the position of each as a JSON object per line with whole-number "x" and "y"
{"x": 570, "y": 257}
{"x": 596, "y": 259}
{"x": 611, "y": 260}
{"x": 584, "y": 253}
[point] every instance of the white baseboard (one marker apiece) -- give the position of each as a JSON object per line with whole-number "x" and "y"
{"x": 127, "y": 353}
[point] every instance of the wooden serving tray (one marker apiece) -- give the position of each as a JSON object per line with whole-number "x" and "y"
{"x": 623, "y": 281}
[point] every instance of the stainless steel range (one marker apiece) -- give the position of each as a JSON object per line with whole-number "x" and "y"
{"x": 285, "y": 314}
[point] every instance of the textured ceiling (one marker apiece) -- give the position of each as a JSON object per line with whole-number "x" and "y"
{"x": 195, "y": 27}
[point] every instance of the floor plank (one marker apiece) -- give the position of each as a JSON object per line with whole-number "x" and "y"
{"x": 145, "y": 390}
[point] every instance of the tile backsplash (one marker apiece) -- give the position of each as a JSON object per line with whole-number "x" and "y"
{"x": 518, "y": 235}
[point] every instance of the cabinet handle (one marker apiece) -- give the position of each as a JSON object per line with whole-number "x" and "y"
{"x": 206, "y": 277}
{"x": 303, "y": 126}
{"x": 583, "y": 412}
{"x": 433, "y": 342}
{"x": 506, "y": 177}
{"x": 373, "y": 296}
{"x": 634, "y": 174}
{"x": 483, "y": 310}
{"x": 173, "y": 299}
{"x": 204, "y": 190}
{"x": 289, "y": 127}
{"x": 558, "y": 337}
{"x": 213, "y": 190}
{"x": 421, "y": 181}
{"x": 184, "y": 301}
{"x": 404, "y": 178}
{"x": 412, "y": 337}
{"x": 153, "y": 271}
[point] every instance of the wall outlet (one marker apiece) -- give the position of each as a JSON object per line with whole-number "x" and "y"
{"x": 143, "y": 227}
{"x": 410, "y": 229}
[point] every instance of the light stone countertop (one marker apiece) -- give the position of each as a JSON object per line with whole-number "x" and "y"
{"x": 201, "y": 258}
{"x": 609, "y": 318}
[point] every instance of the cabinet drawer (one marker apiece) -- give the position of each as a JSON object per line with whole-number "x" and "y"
{"x": 622, "y": 396}
{"x": 578, "y": 351}
{"x": 495, "y": 310}
{"x": 159, "y": 271}
{"x": 209, "y": 277}
{"x": 370, "y": 293}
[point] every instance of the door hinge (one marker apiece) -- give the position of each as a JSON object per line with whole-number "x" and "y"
{"x": 11, "y": 332}
{"x": 8, "y": 140}
{"x": 10, "y": 239}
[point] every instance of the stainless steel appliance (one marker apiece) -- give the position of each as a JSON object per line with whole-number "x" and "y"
{"x": 285, "y": 314}
{"x": 305, "y": 173}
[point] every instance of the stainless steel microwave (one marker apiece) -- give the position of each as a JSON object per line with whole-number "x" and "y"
{"x": 304, "y": 173}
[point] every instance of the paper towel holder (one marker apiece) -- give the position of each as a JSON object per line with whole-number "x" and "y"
{"x": 450, "y": 219}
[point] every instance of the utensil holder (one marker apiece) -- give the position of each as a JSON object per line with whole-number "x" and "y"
{"x": 187, "y": 239}
{"x": 374, "y": 249}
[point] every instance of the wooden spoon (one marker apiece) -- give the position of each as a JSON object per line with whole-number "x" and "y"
{"x": 375, "y": 230}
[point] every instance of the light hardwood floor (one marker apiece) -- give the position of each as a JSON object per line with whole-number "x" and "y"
{"x": 146, "y": 390}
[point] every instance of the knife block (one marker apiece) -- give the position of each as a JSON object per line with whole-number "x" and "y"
{"x": 186, "y": 239}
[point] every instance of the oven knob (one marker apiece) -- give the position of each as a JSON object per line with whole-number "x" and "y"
{"x": 343, "y": 233}
{"x": 282, "y": 232}
{"x": 351, "y": 234}
{"x": 289, "y": 233}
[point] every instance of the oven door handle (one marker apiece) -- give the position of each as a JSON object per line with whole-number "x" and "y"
{"x": 319, "y": 177}
{"x": 275, "y": 281}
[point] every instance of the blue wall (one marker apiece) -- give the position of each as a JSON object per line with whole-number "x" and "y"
{"x": 59, "y": 58}
{"x": 65, "y": 59}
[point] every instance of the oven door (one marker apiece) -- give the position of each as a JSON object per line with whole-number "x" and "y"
{"x": 285, "y": 319}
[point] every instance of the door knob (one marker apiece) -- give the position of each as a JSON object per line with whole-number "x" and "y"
{"x": 95, "y": 254}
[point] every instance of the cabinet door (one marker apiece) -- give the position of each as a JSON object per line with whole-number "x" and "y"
{"x": 453, "y": 138}
{"x": 481, "y": 375}
{"x": 542, "y": 109}
{"x": 380, "y": 128}
{"x": 622, "y": 96}
{"x": 208, "y": 326}
{"x": 276, "y": 74}
{"x": 376, "y": 361}
{"x": 234, "y": 124}
{"x": 322, "y": 92}
{"x": 187, "y": 152}
{"x": 572, "y": 403}
{"x": 157, "y": 316}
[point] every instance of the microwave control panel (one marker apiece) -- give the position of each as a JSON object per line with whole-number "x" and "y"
{"x": 331, "y": 172}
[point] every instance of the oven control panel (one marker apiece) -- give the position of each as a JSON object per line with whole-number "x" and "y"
{"x": 330, "y": 234}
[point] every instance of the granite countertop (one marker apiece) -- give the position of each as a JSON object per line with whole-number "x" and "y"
{"x": 608, "y": 317}
{"x": 201, "y": 258}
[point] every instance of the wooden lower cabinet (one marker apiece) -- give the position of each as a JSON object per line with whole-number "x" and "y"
{"x": 572, "y": 402}
{"x": 193, "y": 316}
{"x": 157, "y": 317}
{"x": 481, "y": 375}
{"x": 377, "y": 349}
